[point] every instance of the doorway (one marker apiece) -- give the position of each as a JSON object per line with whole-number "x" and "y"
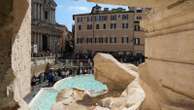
{"x": 44, "y": 42}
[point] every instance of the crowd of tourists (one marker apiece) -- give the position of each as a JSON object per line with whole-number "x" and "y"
{"x": 52, "y": 76}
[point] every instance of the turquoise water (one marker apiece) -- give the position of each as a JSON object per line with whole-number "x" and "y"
{"x": 86, "y": 82}
{"x": 44, "y": 100}
{"x": 47, "y": 97}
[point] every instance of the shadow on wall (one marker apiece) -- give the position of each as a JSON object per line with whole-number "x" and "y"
{"x": 12, "y": 15}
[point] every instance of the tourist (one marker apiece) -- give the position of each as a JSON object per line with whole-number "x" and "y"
{"x": 67, "y": 72}
{"x": 50, "y": 78}
{"x": 89, "y": 70}
{"x": 33, "y": 81}
{"x": 63, "y": 74}
{"x": 85, "y": 71}
{"x": 80, "y": 71}
{"x": 42, "y": 77}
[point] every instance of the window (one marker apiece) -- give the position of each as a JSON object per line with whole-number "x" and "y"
{"x": 80, "y": 40}
{"x": 104, "y": 18}
{"x": 125, "y": 25}
{"x": 90, "y": 40}
{"x": 138, "y": 18}
{"x": 104, "y": 26}
{"x": 95, "y": 40}
{"x": 113, "y": 26}
{"x": 125, "y": 40}
{"x": 89, "y": 19}
{"x": 115, "y": 40}
{"x": 137, "y": 41}
{"x": 136, "y": 22}
{"x": 122, "y": 40}
{"x": 100, "y": 39}
{"x": 79, "y": 19}
{"x": 79, "y": 27}
{"x": 125, "y": 17}
{"x": 77, "y": 40}
{"x": 89, "y": 26}
{"x": 45, "y": 15}
{"x": 97, "y": 18}
{"x": 137, "y": 26}
{"x": 87, "y": 40}
{"x": 106, "y": 40}
{"x": 139, "y": 11}
{"x": 113, "y": 17}
{"x": 97, "y": 26}
{"x": 100, "y": 18}
{"x": 110, "y": 39}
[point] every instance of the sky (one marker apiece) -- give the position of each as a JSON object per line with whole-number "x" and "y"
{"x": 66, "y": 8}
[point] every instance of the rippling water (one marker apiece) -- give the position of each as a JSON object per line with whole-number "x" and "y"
{"x": 47, "y": 96}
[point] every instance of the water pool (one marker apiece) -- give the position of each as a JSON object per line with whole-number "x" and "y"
{"x": 46, "y": 97}
{"x": 85, "y": 82}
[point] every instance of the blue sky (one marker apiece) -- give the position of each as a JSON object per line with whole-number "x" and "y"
{"x": 66, "y": 8}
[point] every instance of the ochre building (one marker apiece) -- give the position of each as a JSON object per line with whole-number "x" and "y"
{"x": 113, "y": 31}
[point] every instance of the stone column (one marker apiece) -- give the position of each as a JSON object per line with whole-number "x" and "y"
{"x": 40, "y": 41}
{"x": 35, "y": 11}
{"x": 54, "y": 16}
{"x": 38, "y": 11}
{"x": 49, "y": 43}
{"x": 32, "y": 37}
{"x": 41, "y": 12}
{"x": 50, "y": 16}
{"x": 38, "y": 6}
{"x": 35, "y": 38}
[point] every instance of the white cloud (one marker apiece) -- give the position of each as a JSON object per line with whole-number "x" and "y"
{"x": 112, "y": 6}
{"x": 79, "y": 9}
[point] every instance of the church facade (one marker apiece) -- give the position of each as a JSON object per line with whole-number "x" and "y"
{"x": 46, "y": 35}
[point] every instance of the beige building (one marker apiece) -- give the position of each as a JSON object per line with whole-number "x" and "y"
{"x": 46, "y": 33}
{"x": 114, "y": 31}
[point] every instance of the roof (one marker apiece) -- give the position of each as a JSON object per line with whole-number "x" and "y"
{"x": 133, "y": 3}
{"x": 105, "y": 12}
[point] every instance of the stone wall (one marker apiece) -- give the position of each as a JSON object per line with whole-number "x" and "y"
{"x": 15, "y": 51}
{"x": 40, "y": 64}
{"x": 170, "y": 51}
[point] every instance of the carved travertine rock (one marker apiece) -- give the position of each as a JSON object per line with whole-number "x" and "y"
{"x": 15, "y": 56}
{"x": 167, "y": 75}
{"x": 109, "y": 71}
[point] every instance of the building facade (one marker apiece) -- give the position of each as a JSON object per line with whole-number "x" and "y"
{"x": 113, "y": 31}
{"x": 46, "y": 33}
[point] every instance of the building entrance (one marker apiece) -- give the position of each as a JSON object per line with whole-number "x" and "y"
{"x": 44, "y": 42}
